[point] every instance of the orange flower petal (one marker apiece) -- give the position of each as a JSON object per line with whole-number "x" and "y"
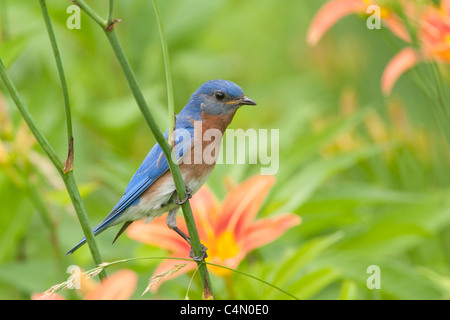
{"x": 404, "y": 60}
{"x": 119, "y": 286}
{"x": 397, "y": 27}
{"x": 46, "y": 296}
{"x": 329, "y": 14}
{"x": 267, "y": 230}
{"x": 157, "y": 233}
{"x": 445, "y": 7}
{"x": 205, "y": 209}
{"x": 434, "y": 33}
{"x": 87, "y": 285}
{"x": 242, "y": 204}
{"x": 229, "y": 230}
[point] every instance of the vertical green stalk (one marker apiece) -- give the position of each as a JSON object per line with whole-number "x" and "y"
{"x": 174, "y": 169}
{"x": 62, "y": 80}
{"x": 438, "y": 107}
{"x": 41, "y": 207}
{"x": 51, "y": 154}
{"x": 110, "y": 32}
{"x": 20, "y": 177}
{"x": 67, "y": 174}
{"x": 68, "y": 178}
{"x": 110, "y": 18}
{"x": 75, "y": 197}
{"x": 169, "y": 82}
{"x": 441, "y": 93}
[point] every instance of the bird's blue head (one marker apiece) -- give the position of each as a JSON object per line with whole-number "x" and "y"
{"x": 219, "y": 97}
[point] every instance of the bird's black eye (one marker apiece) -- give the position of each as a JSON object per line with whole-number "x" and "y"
{"x": 220, "y": 95}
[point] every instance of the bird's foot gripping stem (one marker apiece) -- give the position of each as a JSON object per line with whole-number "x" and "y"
{"x": 201, "y": 257}
{"x": 198, "y": 258}
{"x": 188, "y": 196}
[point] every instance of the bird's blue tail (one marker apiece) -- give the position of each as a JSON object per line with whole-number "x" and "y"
{"x": 97, "y": 230}
{"x": 79, "y": 244}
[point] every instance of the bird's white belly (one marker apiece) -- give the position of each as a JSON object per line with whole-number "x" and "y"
{"x": 159, "y": 202}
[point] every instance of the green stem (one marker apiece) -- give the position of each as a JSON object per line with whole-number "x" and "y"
{"x": 41, "y": 207}
{"x": 108, "y": 264}
{"x": 59, "y": 65}
{"x": 441, "y": 93}
{"x": 169, "y": 82}
{"x": 110, "y": 12}
{"x": 75, "y": 197}
{"x": 22, "y": 178}
{"x": 91, "y": 13}
{"x": 51, "y": 154}
{"x": 68, "y": 177}
{"x": 174, "y": 169}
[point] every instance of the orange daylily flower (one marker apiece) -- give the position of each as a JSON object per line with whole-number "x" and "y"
{"x": 404, "y": 60}
{"x": 434, "y": 36}
{"x": 433, "y": 32}
{"x": 334, "y": 10}
{"x": 118, "y": 286}
{"x": 228, "y": 230}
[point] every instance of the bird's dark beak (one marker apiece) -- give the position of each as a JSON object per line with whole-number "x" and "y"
{"x": 246, "y": 100}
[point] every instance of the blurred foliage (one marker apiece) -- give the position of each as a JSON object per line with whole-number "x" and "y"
{"x": 367, "y": 174}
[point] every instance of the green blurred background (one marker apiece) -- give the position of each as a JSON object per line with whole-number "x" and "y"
{"x": 367, "y": 174}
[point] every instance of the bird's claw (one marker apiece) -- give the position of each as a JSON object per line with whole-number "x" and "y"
{"x": 201, "y": 257}
{"x": 186, "y": 198}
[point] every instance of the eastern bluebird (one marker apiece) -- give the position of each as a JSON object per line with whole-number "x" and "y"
{"x": 151, "y": 192}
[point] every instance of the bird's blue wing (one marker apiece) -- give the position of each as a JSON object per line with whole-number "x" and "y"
{"x": 154, "y": 166}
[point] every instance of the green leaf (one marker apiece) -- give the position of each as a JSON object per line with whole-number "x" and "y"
{"x": 306, "y": 253}
{"x": 312, "y": 283}
{"x": 303, "y": 184}
{"x": 348, "y": 290}
{"x": 15, "y": 217}
{"x": 62, "y": 197}
{"x": 13, "y": 47}
{"x": 398, "y": 279}
{"x": 29, "y": 277}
